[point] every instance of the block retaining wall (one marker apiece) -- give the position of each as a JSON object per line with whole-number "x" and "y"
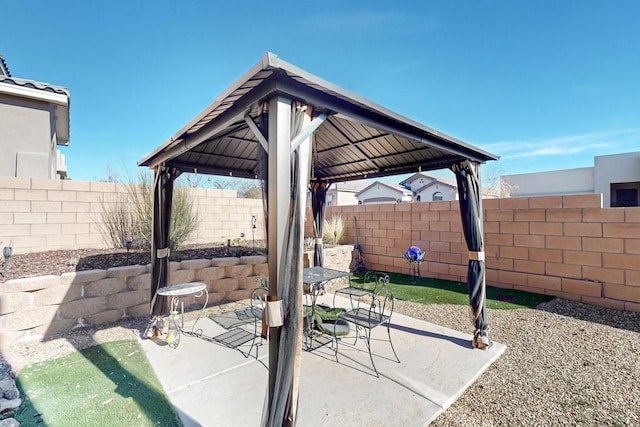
{"x": 33, "y": 308}
{"x": 566, "y": 246}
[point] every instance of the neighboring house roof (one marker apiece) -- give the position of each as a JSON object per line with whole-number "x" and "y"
{"x": 44, "y": 92}
{"x": 432, "y": 183}
{"x": 351, "y": 186}
{"x": 4, "y": 69}
{"x": 417, "y": 175}
{"x": 396, "y": 187}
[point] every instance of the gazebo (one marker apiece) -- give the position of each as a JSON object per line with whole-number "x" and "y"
{"x": 297, "y": 133}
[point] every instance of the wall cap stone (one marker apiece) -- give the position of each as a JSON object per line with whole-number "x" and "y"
{"x": 29, "y": 284}
{"x": 253, "y": 259}
{"x": 126, "y": 271}
{"x": 225, "y": 262}
{"x": 192, "y": 264}
{"x": 86, "y": 276}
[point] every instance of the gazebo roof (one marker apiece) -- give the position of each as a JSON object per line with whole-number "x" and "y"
{"x": 359, "y": 139}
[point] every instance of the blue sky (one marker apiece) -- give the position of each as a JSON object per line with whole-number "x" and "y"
{"x": 544, "y": 84}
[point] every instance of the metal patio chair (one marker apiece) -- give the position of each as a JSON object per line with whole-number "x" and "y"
{"x": 238, "y": 323}
{"x": 370, "y": 282}
{"x": 378, "y": 313}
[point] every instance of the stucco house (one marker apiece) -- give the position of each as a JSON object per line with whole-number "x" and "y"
{"x": 34, "y": 121}
{"x": 427, "y": 187}
{"x": 383, "y": 192}
{"x": 616, "y": 176}
{"x": 344, "y": 193}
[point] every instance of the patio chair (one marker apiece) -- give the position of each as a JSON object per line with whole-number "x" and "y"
{"x": 357, "y": 292}
{"x": 378, "y": 313}
{"x": 237, "y": 322}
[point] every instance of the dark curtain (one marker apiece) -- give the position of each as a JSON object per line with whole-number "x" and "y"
{"x": 318, "y": 200}
{"x": 161, "y": 221}
{"x": 469, "y": 193}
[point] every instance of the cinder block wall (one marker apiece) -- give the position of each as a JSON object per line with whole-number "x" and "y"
{"x": 40, "y": 214}
{"x": 567, "y": 246}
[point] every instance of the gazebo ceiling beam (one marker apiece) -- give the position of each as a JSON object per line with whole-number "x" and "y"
{"x": 256, "y": 132}
{"x": 209, "y": 170}
{"x": 307, "y": 131}
{"x": 349, "y": 142}
{"x": 346, "y": 137}
{"x": 221, "y": 157}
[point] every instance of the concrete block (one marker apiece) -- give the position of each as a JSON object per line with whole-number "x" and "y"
{"x": 210, "y": 273}
{"x": 140, "y": 310}
{"x": 23, "y": 206}
{"x": 238, "y": 271}
{"x": 582, "y": 287}
{"x": 78, "y": 277}
{"x": 84, "y": 307}
{"x": 632, "y": 306}
{"x": 622, "y": 261}
{"x": 225, "y": 285}
{"x": 30, "y": 218}
{"x": 253, "y": 260}
{"x": 174, "y": 265}
{"x": 181, "y": 276}
{"x": 261, "y": 270}
{"x": 225, "y": 262}
{"x": 104, "y": 287}
{"x": 14, "y": 301}
{"x": 195, "y": 264}
{"x": 127, "y": 299}
{"x": 30, "y": 284}
{"x": 107, "y": 316}
{"x": 57, "y": 294}
{"x": 248, "y": 283}
{"x": 604, "y": 302}
{"x": 27, "y": 319}
{"x": 126, "y": 271}
{"x": 138, "y": 283}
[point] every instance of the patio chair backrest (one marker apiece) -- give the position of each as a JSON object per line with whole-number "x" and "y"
{"x": 373, "y": 280}
{"x": 382, "y": 301}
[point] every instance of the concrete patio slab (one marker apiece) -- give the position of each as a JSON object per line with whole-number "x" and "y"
{"x": 213, "y": 385}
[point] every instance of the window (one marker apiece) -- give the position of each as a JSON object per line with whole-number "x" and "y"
{"x": 437, "y": 196}
{"x": 624, "y": 194}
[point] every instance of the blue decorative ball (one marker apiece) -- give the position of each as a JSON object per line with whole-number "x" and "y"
{"x": 414, "y": 254}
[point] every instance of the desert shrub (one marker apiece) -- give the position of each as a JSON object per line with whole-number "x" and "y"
{"x": 334, "y": 229}
{"x": 128, "y": 215}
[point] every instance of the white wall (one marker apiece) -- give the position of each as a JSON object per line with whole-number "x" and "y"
{"x": 448, "y": 193}
{"x": 346, "y": 198}
{"x": 566, "y": 181}
{"x": 379, "y": 193}
{"x": 615, "y": 168}
{"x": 25, "y": 138}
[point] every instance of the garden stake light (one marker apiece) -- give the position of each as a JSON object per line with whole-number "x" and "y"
{"x": 7, "y": 251}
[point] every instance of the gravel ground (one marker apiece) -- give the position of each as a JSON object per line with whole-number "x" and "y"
{"x": 566, "y": 363}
